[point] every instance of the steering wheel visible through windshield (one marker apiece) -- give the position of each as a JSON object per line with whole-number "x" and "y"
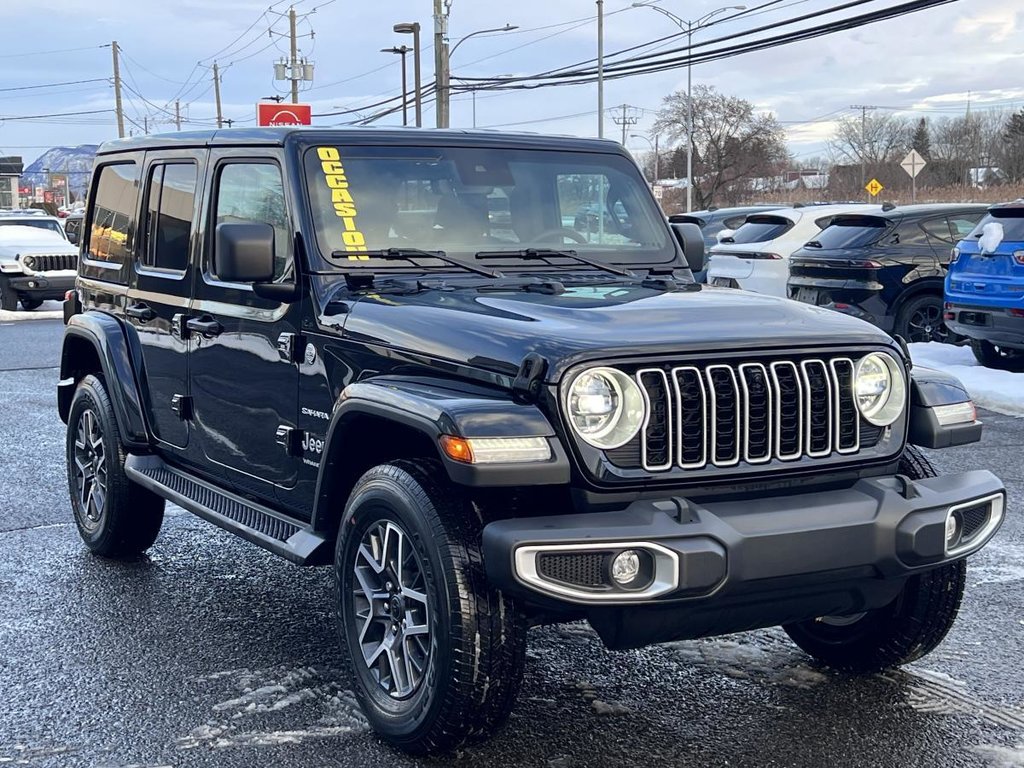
{"x": 463, "y": 200}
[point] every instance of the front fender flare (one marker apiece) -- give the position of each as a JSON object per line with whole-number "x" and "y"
{"x": 105, "y": 336}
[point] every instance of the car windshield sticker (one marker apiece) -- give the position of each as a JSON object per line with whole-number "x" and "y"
{"x": 341, "y": 199}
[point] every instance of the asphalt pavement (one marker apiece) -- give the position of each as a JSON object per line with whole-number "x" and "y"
{"x": 210, "y": 652}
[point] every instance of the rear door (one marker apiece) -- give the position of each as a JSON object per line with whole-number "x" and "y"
{"x": 161, "y": 287}
{"x": 243, "y": 389}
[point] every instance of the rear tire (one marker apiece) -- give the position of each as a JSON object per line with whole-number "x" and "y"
{"x": 8, "y": 297}
{"x": 458, "y": 644}
{"x": 115, "y": 517}
{"x": 920, "y": 321}
{"x": 997, "y": 358}
{"x": 907, "y": 629}
{"x": 30, "y": 304}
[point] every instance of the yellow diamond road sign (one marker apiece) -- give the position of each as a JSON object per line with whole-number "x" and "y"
{"x": 874, "y": 187}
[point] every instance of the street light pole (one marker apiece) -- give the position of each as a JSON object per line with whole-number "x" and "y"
{"x": 402, "y": 50}
{"x": 689, "y": 27}
{"x": 600, "y": 69}
{"x": 413, "y": 28}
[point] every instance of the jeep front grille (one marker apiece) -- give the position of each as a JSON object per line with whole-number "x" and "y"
{"x": 50, "y": 262}
{"x": 727, "y": 414}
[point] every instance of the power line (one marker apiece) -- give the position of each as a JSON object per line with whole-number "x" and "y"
{"x": 47, "y": 53}
{"x": 55, "y": 85}
{"x": 56, "y": 114}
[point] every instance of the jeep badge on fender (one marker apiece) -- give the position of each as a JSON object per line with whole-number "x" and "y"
{"x": 503, "y": 401}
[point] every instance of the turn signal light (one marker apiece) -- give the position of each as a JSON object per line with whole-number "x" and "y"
{"x": 457, "y": 448}
{"x": 496, "y": 450}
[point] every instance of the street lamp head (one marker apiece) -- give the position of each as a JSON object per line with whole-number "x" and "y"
{"x": 402, "y": 49}
{"x": 509, "y": 27}
{"x": 407, "y": 27}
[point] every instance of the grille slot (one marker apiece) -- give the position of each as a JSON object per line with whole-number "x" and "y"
{"x": 725, "y": 414}
{"x": 584, "y": 569}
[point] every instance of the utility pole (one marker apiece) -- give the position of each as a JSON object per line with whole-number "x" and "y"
{"x": 441, "y": 62}
{"x": 177, "y": 114}
{"x": 216, "y": 94}
{"x": 600, "y": 69}
{"x": 864, "y": 108}
{"x": 295, "y": 53}
{"x": 145, "y": 125}
{"x": 117, "y": 89}
{"x": 626, "y": 121}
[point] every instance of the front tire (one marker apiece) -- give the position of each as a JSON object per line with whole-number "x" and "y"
{"x": 997, "y": 358}
{"x": 436, "y": 653}
{"x": 910, "y": 627}
{"x": 8, "y": 296}
{"x": 115, "y": 517}
{"x": 30, "y": 304}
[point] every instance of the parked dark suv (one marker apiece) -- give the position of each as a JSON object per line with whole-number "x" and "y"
{"x": 887, "y": 268}
{"x": 321, "y": 341}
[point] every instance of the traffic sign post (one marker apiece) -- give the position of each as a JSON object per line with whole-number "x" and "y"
{"x": 912, "y": 164}
{"x": 874, "y": 187}
{"x": 271, "y": 113}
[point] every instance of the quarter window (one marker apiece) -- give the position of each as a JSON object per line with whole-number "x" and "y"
{"x": 254, "y": 192}
{"x": 112, "y": 227}
{"x": 938, "y": 228}
{"x": 169, "y": 216}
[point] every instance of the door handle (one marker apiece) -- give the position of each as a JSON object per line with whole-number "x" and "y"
{"x": 204, "y": 325}
{"x": 140, "y": 312}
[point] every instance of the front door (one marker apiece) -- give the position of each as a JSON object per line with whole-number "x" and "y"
{"x": 243, "y": 391}
{"x": 161, "y": 287}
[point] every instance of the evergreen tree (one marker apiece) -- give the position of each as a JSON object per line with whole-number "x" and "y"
{"x": 922, "y": 140}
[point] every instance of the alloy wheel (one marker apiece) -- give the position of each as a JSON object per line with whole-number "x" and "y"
{"x": 90, "y": 469}
{"x": 390, "y": 600}
{"x": 926, "y": 324}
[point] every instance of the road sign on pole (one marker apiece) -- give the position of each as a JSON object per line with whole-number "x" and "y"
{"x": 283, "y": 114}
{"x": 912, "y": 164}
{"x": 874, "y": 187}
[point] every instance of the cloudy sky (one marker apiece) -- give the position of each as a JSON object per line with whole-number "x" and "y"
{"x": 926, "y": 64}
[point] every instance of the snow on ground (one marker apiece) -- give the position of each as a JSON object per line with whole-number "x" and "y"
{"x": 50, "y": 310}
{"x": 999, "y": 391}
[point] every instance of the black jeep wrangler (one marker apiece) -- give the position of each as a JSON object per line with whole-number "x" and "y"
{"x": 324, "y": 342}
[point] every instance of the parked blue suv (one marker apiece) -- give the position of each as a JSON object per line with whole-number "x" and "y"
{"x": 985, "y": 288}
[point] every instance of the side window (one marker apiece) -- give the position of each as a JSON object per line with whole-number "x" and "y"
{"x": 254, "y": 192}
{"x": 169, "y": 216}
{"x": 938, "y": 228}
{"x": 112, "y": 227}
{"x": 909, "y": 233}
{"x": 964, "y": 224}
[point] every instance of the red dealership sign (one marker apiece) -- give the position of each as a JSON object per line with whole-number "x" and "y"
{"x": 283, "y": 114}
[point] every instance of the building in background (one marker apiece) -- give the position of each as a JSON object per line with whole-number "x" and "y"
{"x": 11, "y": 168}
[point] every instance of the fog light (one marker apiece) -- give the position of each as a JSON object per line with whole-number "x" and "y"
{"x": 626, "y": 567}
{"x": 31, "y": 283}
{"x": 952, "y": 531}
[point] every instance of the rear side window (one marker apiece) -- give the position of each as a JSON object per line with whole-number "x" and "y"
{"x": 112, "y": 225}
{"x": 938, "y": 228}
{"x": 909, "y": 233}
{"x": 170, "y": 211}
{"x": 853, "y": 232}
{"x": 1013, "y": 225}
{"x": 760, "y": 229}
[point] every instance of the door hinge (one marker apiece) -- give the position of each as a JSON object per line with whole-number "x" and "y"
{"x": 182, "y": 405}
{"x": 291, "y": 347}
{"x": 290, "y": 438}
{"x": 526, "y": 387}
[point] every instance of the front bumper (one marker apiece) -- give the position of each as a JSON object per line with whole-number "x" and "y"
{"x": 737, "y": 565}
{"x": 990, "y": 324}
{"x": 41, "y": 285}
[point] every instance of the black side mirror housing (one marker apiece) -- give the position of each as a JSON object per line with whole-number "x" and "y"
{"x": 72, "y": 237}
{"x": 244, "y": 253}
{"x": 692, "y": 243}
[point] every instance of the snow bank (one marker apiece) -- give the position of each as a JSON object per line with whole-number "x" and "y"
{"x": 999, "y": 391}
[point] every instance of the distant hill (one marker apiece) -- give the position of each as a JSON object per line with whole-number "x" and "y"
{"x": 75, "y": 161}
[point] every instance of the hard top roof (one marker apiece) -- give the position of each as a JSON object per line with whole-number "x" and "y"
{"x": 276, "y": 137}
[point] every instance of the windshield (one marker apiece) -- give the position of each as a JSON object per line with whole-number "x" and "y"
{"x": 853, "y": 232}
{"x": 761, "y": 229}
{"x": 464, "y": 200}
{"x": 28, "y": 221}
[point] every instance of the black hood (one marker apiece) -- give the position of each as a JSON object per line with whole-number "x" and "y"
{"x": 495, "y": 331}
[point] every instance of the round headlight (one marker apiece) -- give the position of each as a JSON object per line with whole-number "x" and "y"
{"x": 605, "y": 407}
{"x": 879, "y": 389}
{"x": 27, "y": 262}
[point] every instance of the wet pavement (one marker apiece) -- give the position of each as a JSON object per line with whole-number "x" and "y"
{"x": 210, "y": 652}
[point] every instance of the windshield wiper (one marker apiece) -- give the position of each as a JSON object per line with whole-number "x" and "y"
{"x": 408, "y": 254}
{"x": 546, "y": 254}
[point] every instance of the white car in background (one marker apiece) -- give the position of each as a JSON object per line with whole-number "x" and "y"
{"x": 756, "y": 256}
{"x": 36, "y": 264}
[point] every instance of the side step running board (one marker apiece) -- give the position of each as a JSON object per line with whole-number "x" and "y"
{"x": 253, "y": 522}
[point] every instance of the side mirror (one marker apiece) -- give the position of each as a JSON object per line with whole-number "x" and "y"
{"x": 722, "y": 234}
{"x": 72, "y": 237}
{"x": 692, "y": 242}
{"x": 244, "y": 253}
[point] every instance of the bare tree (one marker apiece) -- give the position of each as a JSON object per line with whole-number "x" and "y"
{"x": 873, "y": 139}
{"x": 732, "y": 143}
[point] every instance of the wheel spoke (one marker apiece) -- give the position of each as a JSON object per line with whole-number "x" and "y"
{"x": 415, "y": 629}
{"x": 412, "y": 594}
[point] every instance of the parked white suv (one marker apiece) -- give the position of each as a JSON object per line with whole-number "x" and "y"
{"x": 36, "y": 264}
{"x": 756, "y": 256}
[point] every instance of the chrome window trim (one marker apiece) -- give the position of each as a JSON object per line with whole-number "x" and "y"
{"x": 679, "y": 417}
{"x": 647, "y": 418}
